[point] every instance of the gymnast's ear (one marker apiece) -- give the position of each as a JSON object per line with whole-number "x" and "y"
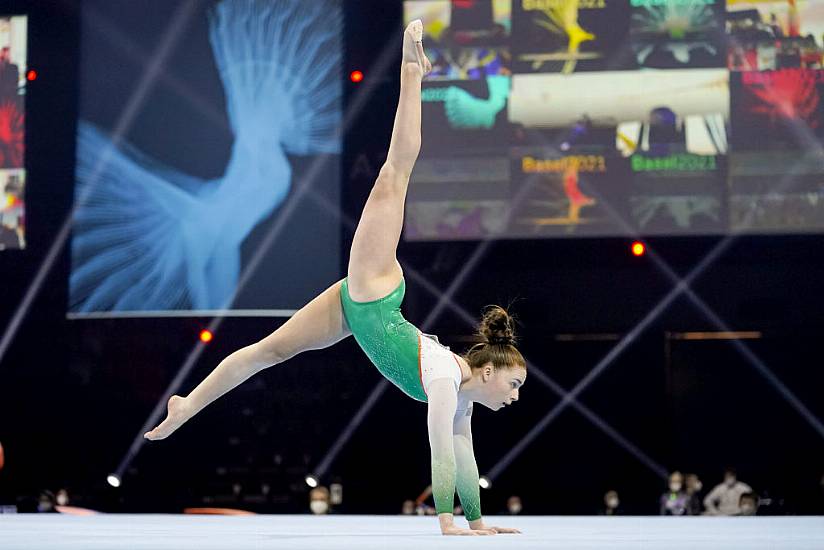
{"x": 487, "y": 371}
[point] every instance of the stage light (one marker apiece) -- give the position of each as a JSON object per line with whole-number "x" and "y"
{"x": 484, "y": 482}
{"x": 638, "y": 248}
{"x": 356, "y": 76}
{"x": 31, "y": 75}
{"x": 113, "y": 480}
{"x": 311, "y": 481}
{"x": 206, "y": 336}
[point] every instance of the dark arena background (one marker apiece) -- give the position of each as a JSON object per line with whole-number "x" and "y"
{"x": 640, "y": 183}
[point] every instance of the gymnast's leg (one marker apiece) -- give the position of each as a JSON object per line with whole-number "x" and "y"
{"x": 373, "y": 270}
{"x": 317, "y": 325}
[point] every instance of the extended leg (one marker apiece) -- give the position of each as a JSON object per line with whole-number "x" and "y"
{"x": 317, "y": 325}
{"x": 373, "y": 269}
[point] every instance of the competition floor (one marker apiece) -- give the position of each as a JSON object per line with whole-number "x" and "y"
{"x": 180, "y": 532}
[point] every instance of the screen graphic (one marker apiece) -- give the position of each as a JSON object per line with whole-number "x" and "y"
{"x": 13, "y": 67}
{"x": 563, "y": 118}
{"x": 207, "y": 156}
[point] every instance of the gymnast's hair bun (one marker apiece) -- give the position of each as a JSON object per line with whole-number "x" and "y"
{"x": 497, "y": 327}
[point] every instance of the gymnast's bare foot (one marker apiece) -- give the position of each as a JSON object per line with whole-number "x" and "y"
{"x": 177, "y": 415}
{"x": 413, "y": 46}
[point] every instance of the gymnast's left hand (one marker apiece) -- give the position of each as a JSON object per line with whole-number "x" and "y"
{"x": 478, "y": 525}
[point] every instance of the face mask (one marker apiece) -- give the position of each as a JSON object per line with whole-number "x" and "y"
{"x": 675, "y": 487}
{"x": 729, "y": 481}
{"x": 515, "y": 509}
{"x": 698, "y": 486}
{"x": 319, "y": 507}
{"x": 747, "y": 510}
{"x": 62, "y": 499}
{"x": 612, "y": 503}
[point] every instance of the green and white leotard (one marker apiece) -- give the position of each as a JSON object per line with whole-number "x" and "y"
{"x": 412, "y": 361}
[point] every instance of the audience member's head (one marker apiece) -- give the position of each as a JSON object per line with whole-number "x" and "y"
{"x": 693, "y": 484}
{"x": 748, "y": 504}
{"x": 408, "y": 508}
{"x": 319, "y": 500}
{"x": 676, "y": 481}
{"x": 513, "y": 505}
{"x": 730, "y": 476}
{"x": 611, "y": 502}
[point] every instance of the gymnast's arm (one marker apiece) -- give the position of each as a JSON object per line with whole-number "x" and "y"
{"x": 443, "y": 400}
{"x": 467, "y": 469}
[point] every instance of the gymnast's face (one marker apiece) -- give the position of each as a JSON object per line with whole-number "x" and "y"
{"x": 501, "y": 385}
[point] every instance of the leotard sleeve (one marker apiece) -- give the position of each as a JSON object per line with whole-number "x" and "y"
{"x": 443, "y": 401}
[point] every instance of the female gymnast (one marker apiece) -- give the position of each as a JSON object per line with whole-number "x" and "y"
{"x": 367, "y": 303}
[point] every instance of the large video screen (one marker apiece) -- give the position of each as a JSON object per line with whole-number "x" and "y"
{"x": 565, "y": 118}
{"x": 13, "y": 68}
{"x": 207, "y": 154}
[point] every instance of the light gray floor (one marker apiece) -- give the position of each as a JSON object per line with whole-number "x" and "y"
{"x": 179, "y": 532}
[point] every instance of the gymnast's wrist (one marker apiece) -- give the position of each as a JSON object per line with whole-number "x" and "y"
{"x": 477, "y": 524}
{"x": 446, "y": 520}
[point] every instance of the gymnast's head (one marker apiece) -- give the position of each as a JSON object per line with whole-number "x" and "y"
{"x": 498, "y": 368}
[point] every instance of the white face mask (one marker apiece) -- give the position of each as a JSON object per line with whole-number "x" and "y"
{"x": 729, "y": 481}
{"x": 514, "y": 508}
{"x": 319, "y": 506}
{"x": 612, "y": 502}
{"x": 675, "y": 487}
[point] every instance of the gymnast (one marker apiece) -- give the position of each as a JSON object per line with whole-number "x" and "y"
{"x": 367, "y": 303}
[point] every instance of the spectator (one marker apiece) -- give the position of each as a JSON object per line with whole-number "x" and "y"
{"x": 612, "y": 506}
{"x": 748, "y": 504}
{"x": 675, "y": 500}
{"x": 319, "y": 500}
{"x": 408, "y": 508}
{"x": 723, "y": 499}
{"x": 513, "y": 505}
{"x": 693, "y": 486}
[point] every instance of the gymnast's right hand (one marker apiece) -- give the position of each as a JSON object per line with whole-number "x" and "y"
{"x": 177, "y": 414}
{"x": 455, "y": 530}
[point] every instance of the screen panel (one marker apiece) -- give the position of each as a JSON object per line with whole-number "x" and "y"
{"x": 207, "y": 157}
{"x": 564, "y": 118}
{"x": 13, "y": 68}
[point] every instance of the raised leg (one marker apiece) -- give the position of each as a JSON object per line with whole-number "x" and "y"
{"x": 373, "y": 268}
{"x": 317, "y": 325}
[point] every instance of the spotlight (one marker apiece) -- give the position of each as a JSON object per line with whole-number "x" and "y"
{"x": 638, "y": 248}
{"x": 31, "y": 75}
{"x": 113, "y": 480}
{"x": 311, "y": 481}
{"x": 484, "y": 482}
{"x": 356, "y": 76}
{"x": 206, "y": 336}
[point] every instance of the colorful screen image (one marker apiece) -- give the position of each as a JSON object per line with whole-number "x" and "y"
{"x": 673, "y": 34}
{"x": 13, "y": 67}
{"x": 565, "y": 195}
{"x": 12, "y": 214}
{"x": 775, "y": 34}
{"x": 204, "y": 169}
{"x": 461, "y": 23}
{"x": 651, "y": 112}
{"x": 778, "y": 110}
{"x": 566, "y": 36}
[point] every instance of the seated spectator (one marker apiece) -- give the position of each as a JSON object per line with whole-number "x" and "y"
{"x": 674, "y": 501}
{"x": 319, "y": 500}
{"x": 693, "y": 486}
{"x": 612, "y": 505}
{"x": 513, "y": 505}
{"x": 723, "y": 499}
{"x": 748, "y": 504}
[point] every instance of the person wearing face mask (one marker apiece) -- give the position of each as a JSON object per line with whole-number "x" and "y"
{"x": 724, "y": 498}
{"x": 693, "y": 486}
{"x": 674, "y": 501}
{"x": 319, "y": 500}
{"x": 747, "y": 504}
{"x": 612, "y": 505}
{"x": 513, "y": 505}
